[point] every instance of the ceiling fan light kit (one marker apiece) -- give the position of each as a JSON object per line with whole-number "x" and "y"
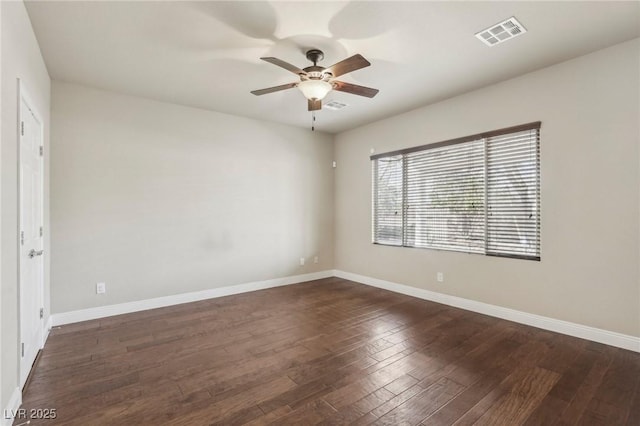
{"x": 314, "y": 90}
{"x": 317, "y": 81}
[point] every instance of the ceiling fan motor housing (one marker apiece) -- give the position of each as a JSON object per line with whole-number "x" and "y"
{"x": 315, "y": 73}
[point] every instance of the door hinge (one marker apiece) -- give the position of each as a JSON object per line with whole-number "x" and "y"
{"x": 41, "y": 151}
{"x": 21, "y": 238}
{"x": 22, "y": 128}
{"x": 23, "y": 349}
{"x": 41, "y": 231}
{"x": 41, "y": 313}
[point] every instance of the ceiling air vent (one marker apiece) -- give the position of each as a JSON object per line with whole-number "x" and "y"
{"x": 334, "y": 105}
{"x": 505, "y": 30}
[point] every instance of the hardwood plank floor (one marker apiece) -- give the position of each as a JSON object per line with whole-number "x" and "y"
{"x": 327, "y": 352}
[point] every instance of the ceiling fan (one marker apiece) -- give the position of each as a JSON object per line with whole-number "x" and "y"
{"x": 316, "y": 81}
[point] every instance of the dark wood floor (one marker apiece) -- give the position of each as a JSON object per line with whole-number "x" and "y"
{"x": 328, "y": 352}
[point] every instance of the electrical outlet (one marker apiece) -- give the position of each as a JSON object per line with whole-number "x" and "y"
{"x": 440, "y": 277}
{"x": 101, "y": 288}
{"x": 302, "y": 261}
{"x": 315, "y": 259}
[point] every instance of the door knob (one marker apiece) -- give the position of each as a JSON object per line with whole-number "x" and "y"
{"x": 33, "y": 253}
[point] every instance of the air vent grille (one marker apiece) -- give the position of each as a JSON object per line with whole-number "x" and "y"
{"x": 334, "y": 105}
{"x": 505, "y": 30}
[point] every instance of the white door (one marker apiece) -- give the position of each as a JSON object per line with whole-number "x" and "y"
{"x": 31, "y": 241}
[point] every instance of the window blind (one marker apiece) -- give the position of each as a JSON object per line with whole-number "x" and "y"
{"x": 513, "y": 194}
{"x": 477, "y": 194}
{"x": 388, "y": 200}
{"x": 444, "y": 200}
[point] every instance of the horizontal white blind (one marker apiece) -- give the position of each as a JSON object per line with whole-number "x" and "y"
{"x": 445, "y": 198}
{"x": 388, "y": 200}
{"x": 477, "y": 194}
{"x": 513, "y": 194}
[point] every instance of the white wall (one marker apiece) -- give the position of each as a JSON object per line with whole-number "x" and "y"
{"x": 156, "y": 199}
{"x": 2, "y": 401}
{"x": 589, "y": 108}
{"x": 21, "y": 58}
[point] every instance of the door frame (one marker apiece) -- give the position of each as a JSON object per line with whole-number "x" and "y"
{"x": 23, "y": 96}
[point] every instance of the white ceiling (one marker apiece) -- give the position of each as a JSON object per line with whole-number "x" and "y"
{"x": 206, "y": 54}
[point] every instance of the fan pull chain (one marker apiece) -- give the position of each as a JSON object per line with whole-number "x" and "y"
{"x": 313, "y": 121}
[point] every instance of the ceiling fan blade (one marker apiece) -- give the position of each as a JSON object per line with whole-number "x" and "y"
{"x": 274, "y": 89}
{"x": 314, "y": 105}
{"x": 350, "y": 64}
{"x": 286, "y": 65}
{"x": 341, "y": 86}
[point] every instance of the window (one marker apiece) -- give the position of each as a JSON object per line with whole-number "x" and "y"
{"x": 477, "y": 194}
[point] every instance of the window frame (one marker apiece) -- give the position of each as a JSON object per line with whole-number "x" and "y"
{"x": 536, "y": 125}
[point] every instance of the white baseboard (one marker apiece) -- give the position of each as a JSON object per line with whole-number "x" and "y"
{"x": 564, "y": 327}
{"x": 11, "y": 410}
{"x": 159, "y": 302}
{"x": 572, "y": 329}
{"x": 47, "y": 329}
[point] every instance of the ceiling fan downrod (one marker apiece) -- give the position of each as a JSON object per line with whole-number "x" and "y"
{"x": 315, "y": 56}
